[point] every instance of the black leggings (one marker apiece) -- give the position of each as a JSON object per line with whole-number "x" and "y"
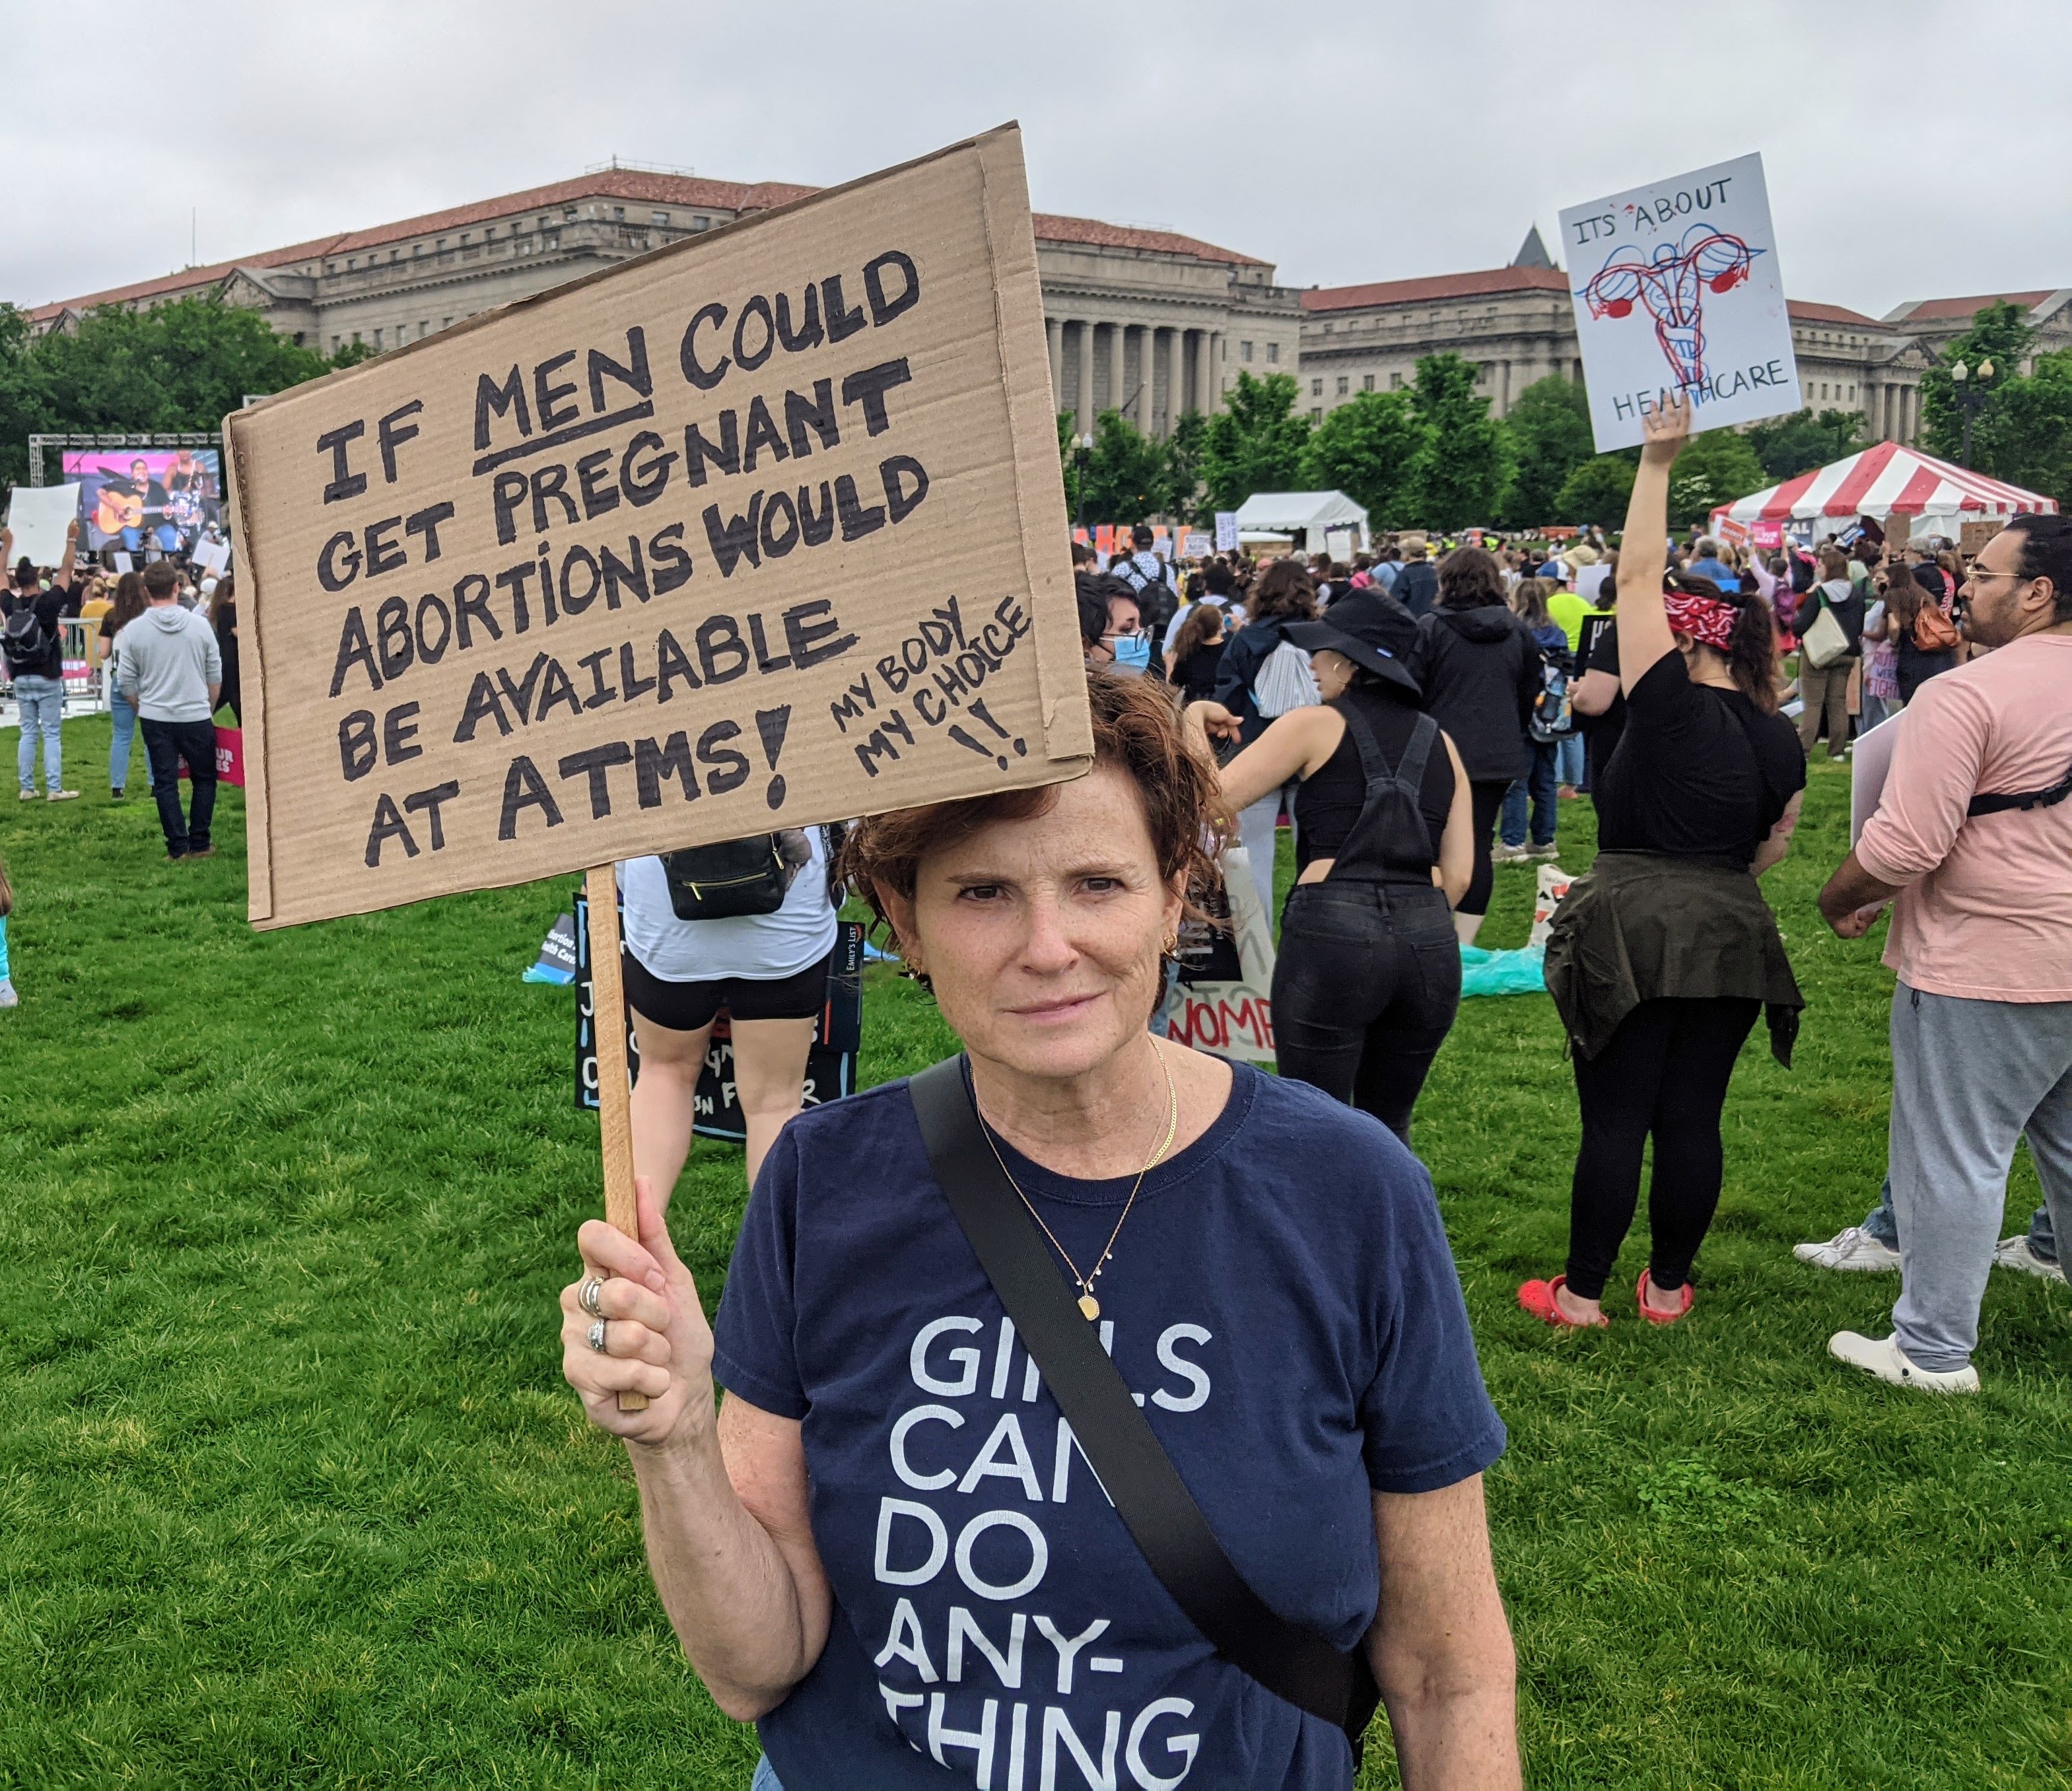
{"x": 1365, "y": 989}
{"x": 1665, "y": 1071}
{"x": 1488, "y": 800}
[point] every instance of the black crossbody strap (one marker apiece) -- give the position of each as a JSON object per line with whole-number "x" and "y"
{"x": 1999, "y": 802}
{"x": 1113, "y": 1434}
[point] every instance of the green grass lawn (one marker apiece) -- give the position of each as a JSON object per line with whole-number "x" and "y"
{"x": 291, "y": 1493}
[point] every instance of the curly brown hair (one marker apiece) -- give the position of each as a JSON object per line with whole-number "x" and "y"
{"x": 1137, "y": 730}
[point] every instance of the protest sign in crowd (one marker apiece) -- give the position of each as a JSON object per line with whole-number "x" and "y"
{"x": 741, "y": 570}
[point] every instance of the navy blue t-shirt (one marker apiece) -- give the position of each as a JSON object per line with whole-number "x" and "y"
{"x": 1284, "y": 1303}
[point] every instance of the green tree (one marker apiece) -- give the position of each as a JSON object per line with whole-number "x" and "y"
{"x": 1597, "y": 489}
{"x": 184, "y": 365}
{"x": 1549, "y": 428}
{"x": 1255, "y": 444}
{"x": 1714, "y": 468}
{"x": 2000, "y": 334}
{"x": 1365, "y": 449}
{"x": 1789, "y": 446}
{"x": 2025, "y": 435}
{"x": 1184, "y": 449}
{"x": 1463, "y": 463}
{"x": 1125, "y": 478}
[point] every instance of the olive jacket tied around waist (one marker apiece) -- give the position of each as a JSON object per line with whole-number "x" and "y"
{"x": 1642, "y": 926}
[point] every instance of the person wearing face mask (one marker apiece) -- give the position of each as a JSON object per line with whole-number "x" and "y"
{"x": 1111, "y": 632}
{"x": 1367, "y": 979}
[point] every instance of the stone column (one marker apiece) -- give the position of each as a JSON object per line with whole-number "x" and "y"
{"x": 1117, "y": 392}
{"x": 1215, "y": 377}
{"x": 1161, "y": 375}
{"x": 1053, "y": 338}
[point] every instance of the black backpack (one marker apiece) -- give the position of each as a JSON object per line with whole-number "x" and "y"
{"x": 735, "y": 877}
{"x": 24, "y": 640}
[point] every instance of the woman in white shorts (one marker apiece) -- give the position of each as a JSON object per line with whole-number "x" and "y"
{"x": 768, "y": 971}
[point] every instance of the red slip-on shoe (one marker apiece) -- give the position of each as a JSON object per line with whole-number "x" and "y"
{"x": 1537, "y": 1298}
{"x": 1640, "y": 1298}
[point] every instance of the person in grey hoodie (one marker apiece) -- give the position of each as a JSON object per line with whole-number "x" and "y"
{"x": 167, "y": 664}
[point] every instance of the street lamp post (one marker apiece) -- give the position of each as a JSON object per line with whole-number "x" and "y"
{"x": 1083, "y": 454}
{"x": 1970, "y": 391}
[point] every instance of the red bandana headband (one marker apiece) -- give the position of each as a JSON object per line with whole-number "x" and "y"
{"x": 1710, "y": 619}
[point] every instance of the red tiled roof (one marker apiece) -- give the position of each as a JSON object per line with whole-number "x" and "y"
{"x": 1088, "y": 232}
{"x": 1831, "y": 314}
{"x": 1442, "y": 286}
{"x": 630, "y": 184}
{"x": 1967, "y": 309}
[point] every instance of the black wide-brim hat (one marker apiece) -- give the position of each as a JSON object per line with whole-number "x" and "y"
{"x": 1371, "y": 629}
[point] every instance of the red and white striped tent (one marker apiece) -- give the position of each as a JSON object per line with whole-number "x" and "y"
{"x": 1889, "y": 480}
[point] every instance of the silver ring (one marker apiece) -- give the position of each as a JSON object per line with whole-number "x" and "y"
{"x": 597, "y": 1336}
{"x": 586, "y": 1296}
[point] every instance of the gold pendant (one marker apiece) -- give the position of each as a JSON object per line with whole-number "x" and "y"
{"x": 1090, "y": 1307}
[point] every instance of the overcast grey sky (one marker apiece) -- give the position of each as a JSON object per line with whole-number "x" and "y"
{"x": 1912, "y": 147}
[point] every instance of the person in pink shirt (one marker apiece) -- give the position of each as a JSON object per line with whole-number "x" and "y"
{"x": 1972, "y": 843}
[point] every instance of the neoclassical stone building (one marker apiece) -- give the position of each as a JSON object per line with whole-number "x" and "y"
{"x": 1518, "y": 324}
{"x": 1147, "y": 322}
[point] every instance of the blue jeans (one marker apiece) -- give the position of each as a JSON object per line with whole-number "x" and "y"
{"x": 42, "y": 700}
{"x": 1571, "y": 767}
{"x": 1538, "y": 785}
{"x": 1882, "y": 1223}
{"x": 765, "y": 1778}
{"x": 123, "y": 713}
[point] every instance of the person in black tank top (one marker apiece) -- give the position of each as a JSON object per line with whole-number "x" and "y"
{"x": 1368, "y": 975}
{"x": 1660, "y": 959}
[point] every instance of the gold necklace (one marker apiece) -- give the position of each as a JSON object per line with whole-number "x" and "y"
{"x": 1088, "y": 1304}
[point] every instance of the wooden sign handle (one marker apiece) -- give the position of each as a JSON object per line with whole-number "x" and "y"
{"x": 607, "y": 1006}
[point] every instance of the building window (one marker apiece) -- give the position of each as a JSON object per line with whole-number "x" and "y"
{"x": 658, "y": 217}
{"x": 466, "y": 239}
{"x": 446, "y": 322}
{"x": 352, "y": 261}
{"x": 1316, "y": 388}
{"x": 1344, "y": 385}
{"x": 701, "y": 223}
{"x": 619, "y": 214}
{"x": 336, "y": 344}
{"x": 1396, "y": 382}
{"x": 1273, "y": 351}
{"x": 443, "y": 242}
{"x": 1316, "y": 412}
{"x": 1245, "y": 351}
{"x": 1367, "y": 382}
{"x": 568, "y": 215}
{"x": 424, "y": 327}
{"x": 1852, "y": 394}
{"x": 417, "y": 249}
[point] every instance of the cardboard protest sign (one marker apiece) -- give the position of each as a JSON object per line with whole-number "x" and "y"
{"x": 763, "y": 528}
{"x": 1676, "y": 284}
{"x": 1226, "y": 531}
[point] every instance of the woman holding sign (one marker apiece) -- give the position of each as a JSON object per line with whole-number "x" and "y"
{"x": 889, "y": 1547}
{"x": 1661, "y": 958}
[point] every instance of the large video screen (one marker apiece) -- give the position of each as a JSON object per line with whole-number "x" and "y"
{"x": 139, "y": 498}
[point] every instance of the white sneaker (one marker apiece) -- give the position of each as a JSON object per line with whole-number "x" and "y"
{"x": 1853, "y": 1249}
{"x": 2014, "y": 1252}
{"x": 8, "y": 998}
{"x": 1883, "y": 1357}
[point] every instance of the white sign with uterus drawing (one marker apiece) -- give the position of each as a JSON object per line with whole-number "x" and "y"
{"x": 1677, "y": 286}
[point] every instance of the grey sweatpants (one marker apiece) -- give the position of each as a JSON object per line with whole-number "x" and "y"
{"x": 1968, "y": 1077}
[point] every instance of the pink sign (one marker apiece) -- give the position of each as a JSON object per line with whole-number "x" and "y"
{"x": 229, "y": 757}
{"x": 1769, "y": 535}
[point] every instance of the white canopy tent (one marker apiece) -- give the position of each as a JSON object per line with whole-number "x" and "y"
{"x": 1308, "y": 514}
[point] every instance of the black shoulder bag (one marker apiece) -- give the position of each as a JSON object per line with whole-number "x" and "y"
{"x": 1999, "y": 802}
{"x": 1150, "y": 1497}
